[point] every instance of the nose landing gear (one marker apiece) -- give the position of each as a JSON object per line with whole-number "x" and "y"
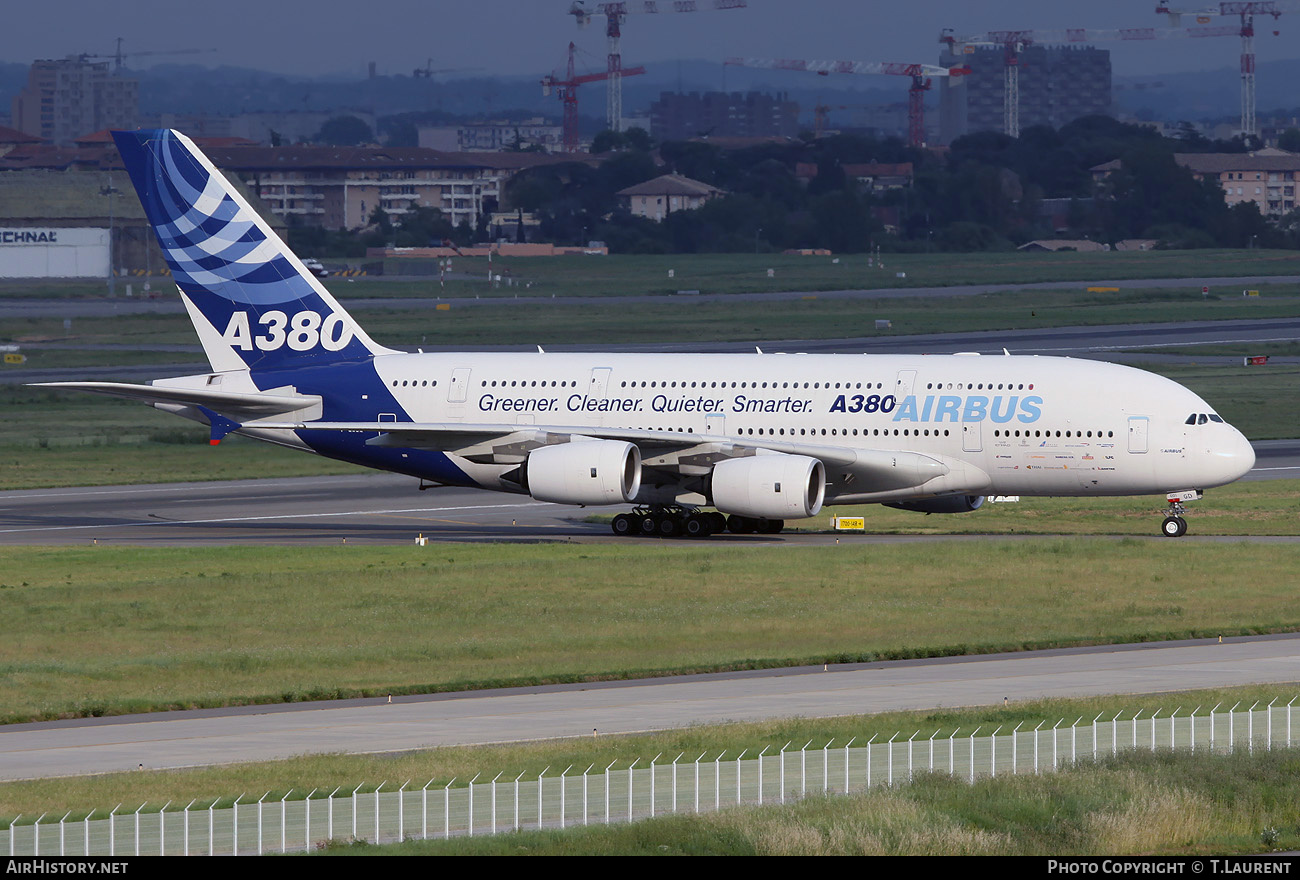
{"x": 1174, "y": 526}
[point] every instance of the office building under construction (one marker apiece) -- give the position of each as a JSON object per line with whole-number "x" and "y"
{"x": 1057, "y": 84}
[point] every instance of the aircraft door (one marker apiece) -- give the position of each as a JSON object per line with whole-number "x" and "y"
{"x": 715, "y": 423}
{"x": 597, "y": 386}
{"x": 1137, "y": 433}
{"x": 972, "y": 437}
{"x": 458, "y": 387}
{"x": 903, "y": 384}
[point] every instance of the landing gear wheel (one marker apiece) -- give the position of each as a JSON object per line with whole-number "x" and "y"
{"x": 698, "y": 526}
{"x": 719, "y": 521}
{"x": 771, "y": 526}
{"x": 739, "y": 525}
{"x": 624, "y": 525}
{"x": 666, "y": 526}
{"x": 648, "y": 524}
{"x": 1173, "y": 527}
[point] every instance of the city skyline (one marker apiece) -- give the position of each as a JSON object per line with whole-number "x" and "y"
{"x": 311, "y": 39}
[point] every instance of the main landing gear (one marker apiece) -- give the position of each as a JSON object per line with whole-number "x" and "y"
{"x": 676, "y": 521}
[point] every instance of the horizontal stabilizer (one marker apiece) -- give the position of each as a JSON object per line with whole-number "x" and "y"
{"x": 242, "y": 405}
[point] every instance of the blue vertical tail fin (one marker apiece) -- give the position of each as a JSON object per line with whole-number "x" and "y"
{"x": 254, "y": 305}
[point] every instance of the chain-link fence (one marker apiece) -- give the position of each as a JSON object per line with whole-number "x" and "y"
{"x": 296, "y": 821}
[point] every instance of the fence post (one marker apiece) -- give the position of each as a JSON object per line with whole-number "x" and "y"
{"x": 1173, "y": 740}
{"x": 803, "y": 770}
{"x": 760, "y": 774}
{"x": 782, "y": 774}
{"x": 1036, "y": 729}
{"x": 162, "y": 830}
{"x": 717, "y": 780}
{"x": 112, "y": 832}
{"x": 259, "y": 822}
{"x": 826, "y": 766}
{"x": 1269, "y": 710}
{"x": 1055, "y": 726}
{"x": 738, "y": 757}
{"x": 1216, "y": 706}
{"x": 611, "y": 764}
{"x": 329, "y": 828}
{"x": 846, "y": 764}
{"x": 932, "y": 736}
{"x": 494, "y": 803}
{"x": 889, "y": 775}
{"x": 306, "y": 831}
{"x": 1114, "y": 735}
{"x": 675, "y": 760}
{"x": 1135, "y": 729}
{"x": 381, "y": 785}
{"x": 234, "y": 846}
{"x": 539, "y": 795}
{"x": 1015, "y": 754}
{"x": 584, "y": 793}
{"x": 284, "y": 822}
{"x": 446, "y": 806}
{"x": 354, "y": 811}
{"x": 1094, "y": 737}
{"x": 14, "y": 822}
{"x": 517, "y": 778}
{"x": 63, "y": 851}
{"x": 629, "y": 788}
{"x": 909, "y": 754}
{"x": 1193, "y": 728}
{"x": 401, "y": 810}
{"x": 972, "y": 754}
{"x": 424, "y": 810}
{"x": 869, "y": 742}
{"x": 212, "y": 845}
{"x": 1154, "y": 715}
{"x": 993, "y": 751}
{"x": 952, "y": 762}
{"x": 652, "y": 783}
{"x": 1074, "y": 741}
{"x": 697, "y": 782}
{"x": 85, "y": 831}
{"x": 1232, "y": 727}
{"x": 1250, "y": 728}
{"x": 1288, "y": 723}
{"x": 469, "y": 812}
{"x": 563, "y": 786}
{"x": 36, "y": 832}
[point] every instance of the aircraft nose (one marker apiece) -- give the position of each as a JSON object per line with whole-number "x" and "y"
{"x": 1232, "y": 458}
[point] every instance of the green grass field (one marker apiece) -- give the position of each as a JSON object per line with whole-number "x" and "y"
{"x": 107, "y": 630}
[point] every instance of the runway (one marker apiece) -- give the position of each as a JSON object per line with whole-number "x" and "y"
{"x": 204, "y": 737}
{"x": 367, "y": 508}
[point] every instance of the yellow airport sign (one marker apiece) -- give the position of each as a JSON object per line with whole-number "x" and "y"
{"x": 1103, "y": 290}
{"x": 443, "y": 307}
{"x": 15, "y": 359}
{"x": 850, "y": 523}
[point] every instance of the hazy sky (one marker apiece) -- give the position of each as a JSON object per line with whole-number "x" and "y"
{"x": 532, "y": 36}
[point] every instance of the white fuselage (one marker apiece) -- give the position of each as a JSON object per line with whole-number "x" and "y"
{"x": 1003, "y": 424}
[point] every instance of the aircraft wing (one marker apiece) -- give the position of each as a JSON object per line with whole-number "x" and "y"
{"x": 679, "y": 452}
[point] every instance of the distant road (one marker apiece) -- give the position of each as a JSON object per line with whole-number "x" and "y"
{"x": 221, "y": 736}
{"x": 103, "y": 307}
{"x": 1119, "y": 342}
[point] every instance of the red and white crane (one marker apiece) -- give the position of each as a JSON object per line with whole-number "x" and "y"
{"x": 1014, "y": 42}
{"x": 921, "y": 75}
{"x": 1246, "y": 12}
{"x": 614, "y": 13}
{"x": 567, "y": 90}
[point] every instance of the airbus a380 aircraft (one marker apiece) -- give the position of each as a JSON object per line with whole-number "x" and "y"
{"x": 761, "y": 437}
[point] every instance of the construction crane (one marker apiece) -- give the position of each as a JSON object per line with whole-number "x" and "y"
{"x": 119, "y": 57}
{"x": 1246, "y": 12}
{"x": 1014, "y": 42}
{"x": 921, "y": 75}
{"x": 567, "y": 90}
{"x": 614, "y": 13}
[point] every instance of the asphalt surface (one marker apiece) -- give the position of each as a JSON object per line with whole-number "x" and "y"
{"x": 368, "y": 508}
{"x": 185, "y": 739}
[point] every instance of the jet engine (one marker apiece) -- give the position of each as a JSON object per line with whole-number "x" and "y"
{"x": 946, "y": 504}
{"x": 775, "y": 486}
{"x": 584, "y": 472}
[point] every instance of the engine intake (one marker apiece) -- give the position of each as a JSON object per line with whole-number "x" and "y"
{"x": 775, "y": 486}
{"x": 946, "y": 504}
{"x": 584, "y": 472}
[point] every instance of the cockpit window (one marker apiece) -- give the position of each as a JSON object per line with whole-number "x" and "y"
{"x": 1191, "y": 420}
{"x": 1202, "y": 419}
{"x": 1215, "y": 418}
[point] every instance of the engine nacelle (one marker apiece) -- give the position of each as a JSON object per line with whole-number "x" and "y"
{"x": 584, "y": 472}
{"x": 776, "y": 486}
{"x": 946, "y": 504}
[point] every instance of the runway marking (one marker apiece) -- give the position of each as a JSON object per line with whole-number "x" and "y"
{"x": 1173, "y": 344}
{"x": 232, "y": 519}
